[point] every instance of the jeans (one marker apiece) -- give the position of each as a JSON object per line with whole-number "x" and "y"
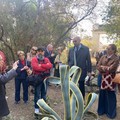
{"x": 40, "y": 93}
{"x": 99, "y": 80}
{"x": 18, "y": 83}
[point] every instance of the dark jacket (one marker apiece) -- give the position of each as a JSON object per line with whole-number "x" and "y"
{"x": 22, "y": 74}
{"x": 51, "y": 58}
{"x": 3, "y": 103}
{"x": 83, "y": 58}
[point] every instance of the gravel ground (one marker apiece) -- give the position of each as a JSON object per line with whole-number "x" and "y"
{"x": 26, "y": 111}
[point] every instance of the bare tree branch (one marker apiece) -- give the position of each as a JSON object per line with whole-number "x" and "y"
{"x": 75, "y": 23}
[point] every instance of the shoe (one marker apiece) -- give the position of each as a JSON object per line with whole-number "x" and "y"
{"x": 17, "y": 102}
{"x": 37, "y": 116}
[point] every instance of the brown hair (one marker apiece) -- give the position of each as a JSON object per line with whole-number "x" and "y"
{"x": 113, "y": 47}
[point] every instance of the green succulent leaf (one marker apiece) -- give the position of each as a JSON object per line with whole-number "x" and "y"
{"x": 47, "y": 118}
{"x": 65, "y": 87}
{"x": 76, "y": 76}
{"x": 90, "y": 100}
{"x": 52, "y": 80}
{"x": 80, "y": 102}
{"x": 73, "y": 69}
{"x": 42, "y": 104}
{"x": 75, "y": 79}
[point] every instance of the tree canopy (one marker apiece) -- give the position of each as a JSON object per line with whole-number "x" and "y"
{"x": 25, "y": 23}
{"x": 112, "y": 21}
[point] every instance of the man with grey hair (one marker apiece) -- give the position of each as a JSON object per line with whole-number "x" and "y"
{"x": 79, "y": 56}
{"x": 49, "y": 53}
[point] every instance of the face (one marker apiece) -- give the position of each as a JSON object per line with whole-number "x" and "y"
{"x": 33, "y": 51}
{"x": 40, "y": 53}
{"x": 21, "y": 56}
{"x": 109, "y": 50}
{"x": 76, "y": 41}
{"x": 50, "y": 48}
{"x": 59, "y": 51}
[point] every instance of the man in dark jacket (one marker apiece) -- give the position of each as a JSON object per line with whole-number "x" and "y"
{"x": 49, "y": 53}
{"x": 4, "y": 78}
{"x": 79, "y": 55}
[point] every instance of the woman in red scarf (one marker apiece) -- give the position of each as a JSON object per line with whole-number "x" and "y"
{"x": 21, "y": 78}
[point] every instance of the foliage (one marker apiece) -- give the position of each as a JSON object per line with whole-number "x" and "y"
{"x": 117, "y": 43}
{"x": 112, "y": 18}
{"x": 38, "y": 22}
{"x": 73, "y": 101}
{"x": 112, "y": 21}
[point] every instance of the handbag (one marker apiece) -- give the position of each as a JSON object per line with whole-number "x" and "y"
{"x": 37, "y": 79}
{"x": 34, "y": 80}
{"x": 117, "y": 76}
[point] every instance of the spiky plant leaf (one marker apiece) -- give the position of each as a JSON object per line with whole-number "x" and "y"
{"x": 75, "y": 78}
{"x": 42, "y": 104}
{"x": 90, "y": 100}
{"x": 52, "y": 80}
{"x": 79, "y": 99}
{"x": 47, "y": 118}
{"x": 65, "y": 87}
{"x": 72, "y": 70}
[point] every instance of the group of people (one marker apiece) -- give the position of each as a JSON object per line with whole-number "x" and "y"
{"x": 44, "y": 60}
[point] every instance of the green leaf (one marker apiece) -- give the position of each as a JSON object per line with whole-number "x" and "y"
{"x": 42, "y": 104}
{"x": 65, "y": 87}
{"x": 90, "y": 100}
{"x": 76, "y": 76}
{"x": 79, "y": 99}
{"x": 75, "y": 79}
{"x": 47, "y": 118}
{"x": 52, "y": 80}
{"x": 73, "y": 69}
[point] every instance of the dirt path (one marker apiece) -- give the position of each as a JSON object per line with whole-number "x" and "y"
{"x": 26, "y": 111}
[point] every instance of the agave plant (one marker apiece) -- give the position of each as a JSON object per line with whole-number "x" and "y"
{"x": 74, "y": 108}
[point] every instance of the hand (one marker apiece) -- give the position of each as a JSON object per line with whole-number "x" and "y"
{"x": 39, "y": 65}
{"x": 89, "y": 74}
{"x": 104, "y": 68}
{"x": 29, "y": 71}
{"x": 52, "y": 54}
{"x": 15, "y": 65}
{"x": 25, "y": 68}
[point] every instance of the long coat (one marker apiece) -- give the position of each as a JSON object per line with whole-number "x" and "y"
{"x": 3, "y": 80}
{"x": 82, "y": 60}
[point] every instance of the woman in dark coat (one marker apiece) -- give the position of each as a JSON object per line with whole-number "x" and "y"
{"x": 4, "y": 78}
{"x": 21, "y": 78}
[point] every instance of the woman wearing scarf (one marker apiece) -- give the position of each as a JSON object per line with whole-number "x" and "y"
{"x": 107, "y": 97}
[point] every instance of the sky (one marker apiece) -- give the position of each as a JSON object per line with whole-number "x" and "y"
{"x": 87, "y": 25}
